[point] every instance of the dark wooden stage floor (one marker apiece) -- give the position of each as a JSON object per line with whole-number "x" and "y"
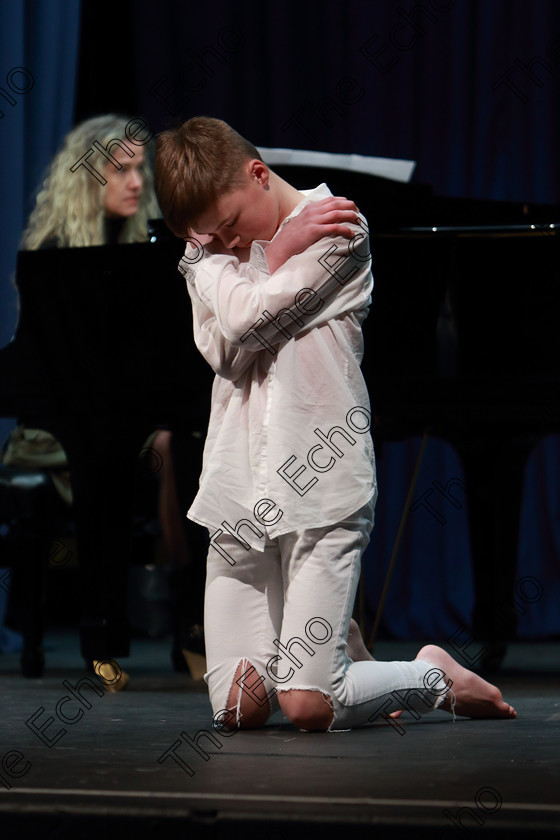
{"x": 99, "y": 776}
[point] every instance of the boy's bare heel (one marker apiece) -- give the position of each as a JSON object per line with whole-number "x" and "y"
{"x": 196, "y": 663}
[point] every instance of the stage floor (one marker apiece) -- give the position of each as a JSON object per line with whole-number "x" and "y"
{"x": 104, "y": 773}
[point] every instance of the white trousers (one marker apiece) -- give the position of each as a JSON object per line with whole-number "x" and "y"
{"x": 284, "y": 615}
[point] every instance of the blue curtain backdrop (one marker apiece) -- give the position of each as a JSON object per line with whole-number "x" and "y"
{"x": 467, "y": 88}
{"x": 38, "y": 60}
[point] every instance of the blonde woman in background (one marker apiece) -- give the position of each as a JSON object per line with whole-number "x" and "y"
{"x": 87, "y": 200}
{"x": 76, "y": 210}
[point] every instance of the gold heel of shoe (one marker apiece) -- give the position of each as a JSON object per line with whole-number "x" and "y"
{"x": 111, "y": 675}
{"x": 196, "y": 663}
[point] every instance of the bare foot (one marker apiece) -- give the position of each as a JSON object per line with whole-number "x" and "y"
{"x": 357, "y": 651}
{"x": 474, "y": 697}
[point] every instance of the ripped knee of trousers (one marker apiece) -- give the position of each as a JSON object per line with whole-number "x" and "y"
{"x": 248, "y": 704}
{"x": 310, "y": 709}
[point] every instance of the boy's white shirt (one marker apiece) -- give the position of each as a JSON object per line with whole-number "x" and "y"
{"x": 267, "y": 466}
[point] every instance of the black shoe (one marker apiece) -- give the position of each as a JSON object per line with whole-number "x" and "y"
{"x": 192, "y": 650}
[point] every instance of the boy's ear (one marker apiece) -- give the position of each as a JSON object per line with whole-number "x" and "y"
{"x": 260, "y": 171}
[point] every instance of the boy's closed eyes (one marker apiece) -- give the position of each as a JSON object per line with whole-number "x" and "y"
{"x": 254, "y": 212}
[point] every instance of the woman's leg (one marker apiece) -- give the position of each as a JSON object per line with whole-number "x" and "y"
{"x": 175, "y": 460}
{"x": 171, "y": 518}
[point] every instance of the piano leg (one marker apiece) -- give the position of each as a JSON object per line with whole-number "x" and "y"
{"x": 31, "y": 574}
{"x": 494, "y": 470}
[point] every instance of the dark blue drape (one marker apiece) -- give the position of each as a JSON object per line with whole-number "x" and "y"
{"x": 431, "y": 590}
{"x": 468, "y": 88}
{"x": 38, "y": 49}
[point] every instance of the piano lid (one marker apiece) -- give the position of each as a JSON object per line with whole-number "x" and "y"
{"x": 393, "y": 207}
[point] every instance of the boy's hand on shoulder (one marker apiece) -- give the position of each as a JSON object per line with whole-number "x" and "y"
{"x": 328, "y": 217}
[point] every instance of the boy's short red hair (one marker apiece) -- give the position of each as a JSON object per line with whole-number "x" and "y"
{"x": 195, "y": 164}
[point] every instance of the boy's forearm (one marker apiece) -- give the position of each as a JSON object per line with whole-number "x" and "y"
{"x": 227, "y": 361}
{"x": 277, "y": 254}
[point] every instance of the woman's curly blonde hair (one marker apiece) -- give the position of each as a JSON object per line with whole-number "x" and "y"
{"x": 70, "y": 205}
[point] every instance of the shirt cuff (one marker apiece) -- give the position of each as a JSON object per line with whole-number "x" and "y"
{"x": 258, "y": 255}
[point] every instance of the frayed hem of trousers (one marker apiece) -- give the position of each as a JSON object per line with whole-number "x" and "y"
{"x": 237, "y": 708}
{"x": 440, "y": 700}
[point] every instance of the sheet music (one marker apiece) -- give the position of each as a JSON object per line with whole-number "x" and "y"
{"x": 393, "y": 168}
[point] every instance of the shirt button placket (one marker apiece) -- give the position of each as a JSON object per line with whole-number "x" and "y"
{"x": 266, "y": 425}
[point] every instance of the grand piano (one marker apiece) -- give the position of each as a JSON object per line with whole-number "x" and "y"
{"x": 103, "y": 355}
{"x": 461, "y": 343}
